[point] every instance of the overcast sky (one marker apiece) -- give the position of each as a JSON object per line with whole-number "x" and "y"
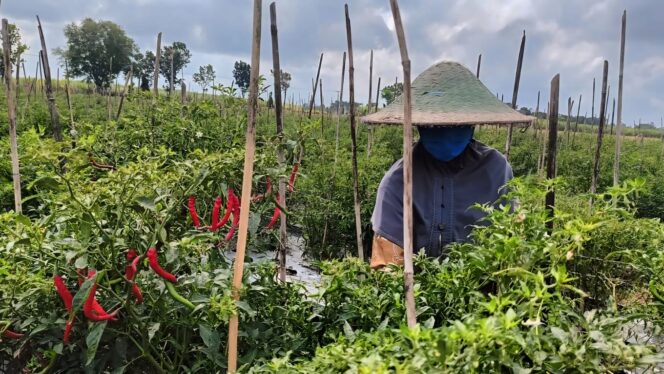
{"x": 567, "y": 37}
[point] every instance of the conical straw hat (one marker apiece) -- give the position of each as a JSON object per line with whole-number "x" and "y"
{"x": 448, "y": 94}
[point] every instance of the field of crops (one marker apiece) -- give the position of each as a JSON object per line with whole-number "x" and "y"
{"x": 121, "y": 254}
{"x": 515, "y": 297}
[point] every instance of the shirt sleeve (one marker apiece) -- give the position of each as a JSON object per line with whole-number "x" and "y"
{"x": 387, "y": 217}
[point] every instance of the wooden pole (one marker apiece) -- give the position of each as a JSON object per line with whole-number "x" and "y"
{"x": 341, "y": 98}
{"x": 313, "y": 95}
{"x": 600, "y": 130}
{"x": 550, "y": 199}
{"x": 377, "y": 95}
{"x": 592, "y": 108}
{"x": 411, "y": 316}
{"x": 479, "y": 63}
{"x": 18, "y": 73}
{"x": 578, "y": 112}
{"x": 537, "y": 115}
{"x": 517, "y": 79}
{"x": 616, "y": 161}
{"x": 155, "y": 79}
{"x": 108, "y": 96}
{"x": 69, "y": 105}
{"x": 276, "y": 67}
{"x": 11, "y": 113}
{"x": 41, "y": 73}
{"x": 322, "y": 109}
{"x": 183, "y": 93}
{"x": 370, "y": 81}
{"x": 613, "y": 112}
{"x": 171, "y": 85}
{"x": 52, "y": 108}
{"x": 247, "y": 177}
{"x": 124, "y": 92}
{"x": 353, "y": 137}
{"x": 570, "y": 106}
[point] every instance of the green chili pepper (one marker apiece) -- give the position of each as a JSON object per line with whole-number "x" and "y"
{"x": 177, "y": 297}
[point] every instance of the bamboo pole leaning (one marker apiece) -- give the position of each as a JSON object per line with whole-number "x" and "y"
{"x": 72, "y": 125}
{"x": 52, "y": 108}
{"x": 313, "y": 94}
{"x": 479, "y": 64}
{"x": 600, "y": 131}
{"x": 353, "y": 137}
{"x": 551, "y": 167}
{"x": 276, "y": 67}
{"x": 247, "y": 177}
{"x": 616, "y": 161}
{"x": 377, "y": 95}
{"x": 341, "y": 98}
{"x": 515, "y": 93}
{"x": 411, "y": 316}
{"x": 11, "y": 114}
{"x": 576, "y": 122}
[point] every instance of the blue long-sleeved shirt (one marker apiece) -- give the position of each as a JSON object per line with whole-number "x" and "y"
{"x": 443, "y": 196}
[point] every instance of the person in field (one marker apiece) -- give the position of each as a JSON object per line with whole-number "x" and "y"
{"x": 451, "y": 171}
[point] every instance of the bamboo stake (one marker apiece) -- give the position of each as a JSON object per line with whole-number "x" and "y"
{"x": 353, "y": 137}
{"x": 155, "y": 79}
{"x": 341, "y": 98}
{"x": 11, "y": 114}
{"x": 183, "y": 93}
{"x": 377, "y": 95}
{"x": 576, "y": 123}
{"x": 52, "y": 108}
{"x": 370, "y": 81}
{"x": 124, "y": 92}
{"x": 247, "y": 177}
{"x": 613, "y": 112}
{"x": 313, "y": 95}
{"x": 18, "y": 71}
{"x": 600, "y": 131}
{"x": 517, "y": 79}
{"x": 171, "y": 84}
{"x": 550, "y": 199}
{"x": 592, "y": 108}
{"x": 616, "y": 161}
{"x": 537, "y": 115}
{"x": 276, "y": 67}
{"x": 570, "y": 106}
{"x": 41, "y": 75}
{"x": 322, "y": 109}
{"x": 69, "y": 105}
{"x": 479, "y": 63}
{"x": 411, "y": 316}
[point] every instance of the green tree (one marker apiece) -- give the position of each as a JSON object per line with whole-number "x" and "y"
{"x": 242, "y": 75}
{"x": 285, "y": 82}
{"x": 390, "y": 93}
{"x": 180, "y": 55}
{"x": 90, "y": 47}
{"x": 17, "y": 48}
{"x": 144, "y": 68}
{"x": 205, "y": 76}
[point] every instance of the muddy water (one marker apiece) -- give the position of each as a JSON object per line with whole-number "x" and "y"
{"x": 300, "y": 269}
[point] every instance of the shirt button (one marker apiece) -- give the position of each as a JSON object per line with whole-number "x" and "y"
{"x": 442, "y": 205}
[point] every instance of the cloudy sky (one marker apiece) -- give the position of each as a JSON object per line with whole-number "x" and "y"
{"x": 567, "y": 37}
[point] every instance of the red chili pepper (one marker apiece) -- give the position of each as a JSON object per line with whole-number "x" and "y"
{"x": 275, "y": 217}
{"x": 64, "y": 293}
{"x": 154, "y": 264}
{"x": 236, "y": 218}
{"x": 230, "y": 202}
{"x": 136, "y": 291}
{"x": 92, "y": 309}
{"x": 291, "y": 180}
{"x": 131, "y": 254}
{"x": 193, "y": 213}
{"x": 9, "y": 334}
{"x": 214, "y": 226}
{"x": 134, "y": 267}
{"x": 68, "y": 326}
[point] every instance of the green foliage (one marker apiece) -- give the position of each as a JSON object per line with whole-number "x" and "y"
{"x": 17, "y": 49}
{"x": 205, "y": 76}
{"x": 176, "y": 55}
{"x": 91, "y": 45}
{"x": 391, "y": 92}
{"x": 242, "y": 74}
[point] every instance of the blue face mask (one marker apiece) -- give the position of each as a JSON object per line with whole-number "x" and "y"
{"x": 445, "y": 143}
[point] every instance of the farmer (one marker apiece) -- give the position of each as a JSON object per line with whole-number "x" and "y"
{"x": 451, "y": 171}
